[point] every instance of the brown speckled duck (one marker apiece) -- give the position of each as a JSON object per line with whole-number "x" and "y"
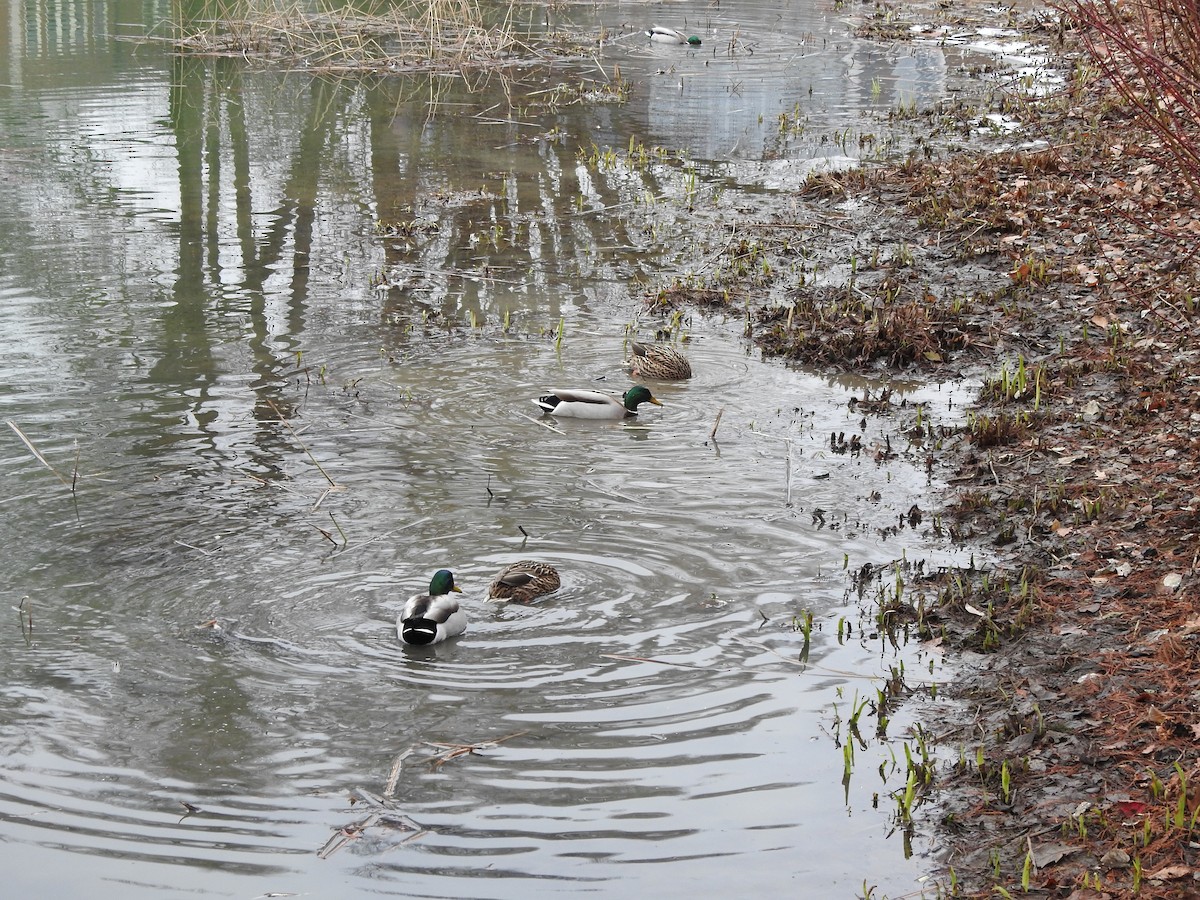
{"x": 659, "y": 361}
{"x": 523, "y": 581}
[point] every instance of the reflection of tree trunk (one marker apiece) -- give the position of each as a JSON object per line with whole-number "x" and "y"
{"x": 395, "y": 164}
{"x": 205, "y": 96}
{"x": 186, "y": 360}
{"x": 294, "y": 216}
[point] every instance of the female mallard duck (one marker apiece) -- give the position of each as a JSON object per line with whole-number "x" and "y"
{"x": 433, "y": 617}
{"x": 659, "y": 361}
{"x": 523, "y": 581}
{"x": 663, "y": 35}
{"x": 595, "y": 404}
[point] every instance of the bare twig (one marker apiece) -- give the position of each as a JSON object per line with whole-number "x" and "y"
{"x": 37, "y": 453}
{"x": 197, "y": 549}
{"x": 288, "y": 425}
{"x": 543, "y": 424}
{"x": 25, "y": 617}
{"x": 453, "y": 751}
{"x": 646, "y": 659}
{"x": 389, "y": 790}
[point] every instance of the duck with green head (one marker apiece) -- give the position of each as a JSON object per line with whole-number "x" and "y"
{"x": 581, "y": 404}
{"x": 661, "y": 34}
{"x": 432, "y": 618}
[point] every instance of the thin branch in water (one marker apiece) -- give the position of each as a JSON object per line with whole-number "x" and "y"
{"x": 37, "y": 453}
{"x": 197, "y": 549}
{"x": 453, "y": 751}
{"x": 288, "y": 425}
{"x": 389, "y": 790}
{"x": 647, "y": 659}
{"x": 543, "y": 424}
{"x": 712, "y": 435}
{"x": 787, "y": 474}
{"x": 345, "y": 540}
{"x": 25, "y": 617}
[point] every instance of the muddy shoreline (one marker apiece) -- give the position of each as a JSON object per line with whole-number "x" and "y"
{"x": 1060, "y": 269}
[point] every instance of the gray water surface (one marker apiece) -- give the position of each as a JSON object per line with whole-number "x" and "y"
{"x": 278, "y": 335}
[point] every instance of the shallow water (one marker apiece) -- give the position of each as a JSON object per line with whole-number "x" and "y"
{"x": 191, "y": 251}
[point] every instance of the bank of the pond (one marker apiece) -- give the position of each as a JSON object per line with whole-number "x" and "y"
{"x": 1062, "y": 270}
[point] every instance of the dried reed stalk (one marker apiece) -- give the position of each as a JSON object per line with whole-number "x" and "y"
{"x": 413, "y": 36}
{"x": 1150, "y": 51}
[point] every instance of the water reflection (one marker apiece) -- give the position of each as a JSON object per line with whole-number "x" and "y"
{"x": 278, "y": 336}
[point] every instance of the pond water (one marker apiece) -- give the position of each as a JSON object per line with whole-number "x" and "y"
{"x": 275, "y": 339}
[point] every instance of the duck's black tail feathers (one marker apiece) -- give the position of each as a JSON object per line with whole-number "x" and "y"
{"x": 418, "y": 630}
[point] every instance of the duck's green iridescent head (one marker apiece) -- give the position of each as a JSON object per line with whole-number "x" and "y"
{"x": 443, "y": 583}
{"x": 638, "y": 394}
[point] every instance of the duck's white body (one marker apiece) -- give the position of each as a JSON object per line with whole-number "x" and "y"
{"x": 431, "y": 620}
{"x": 582, "y": 404}
{"x": 661, "y": 34}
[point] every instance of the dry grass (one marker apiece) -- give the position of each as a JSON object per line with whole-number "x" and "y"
{"x": 832, "y": 328}
{"x": 405, "y": 36}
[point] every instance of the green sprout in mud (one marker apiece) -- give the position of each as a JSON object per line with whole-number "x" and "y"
{"x": 803, "y": 624}
{"x": 905, "y": 799}
{"x": 690, "y": 188}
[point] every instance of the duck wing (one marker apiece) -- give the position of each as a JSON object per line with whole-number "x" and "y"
{"x": 570, "y": 395}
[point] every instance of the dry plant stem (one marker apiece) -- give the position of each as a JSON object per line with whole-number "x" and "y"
{"x": 712, "y": 435}
{"x": 648, "y": 659}
{"x": 345, "y": 540}
{"x": 37, "y": 454}
{"x": 1150, "y": 51}
{"x": 453, "y": 751}
{"x": 428, "y": 36}
{"x": 787, "y": 474}
{"x": 389, "y": 790}
{"x": 25, "y": 616}
{"x": 543, "y": 424}
{"x": 288, "y": 425}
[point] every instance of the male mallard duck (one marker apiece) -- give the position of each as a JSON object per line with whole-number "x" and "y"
{"x": 433, "y": 617}
{"x": 523, "y": 581}
{"x": 659, "y": 361}
{"x": 595, "y": 404}
{"x": 663, "y": 35}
